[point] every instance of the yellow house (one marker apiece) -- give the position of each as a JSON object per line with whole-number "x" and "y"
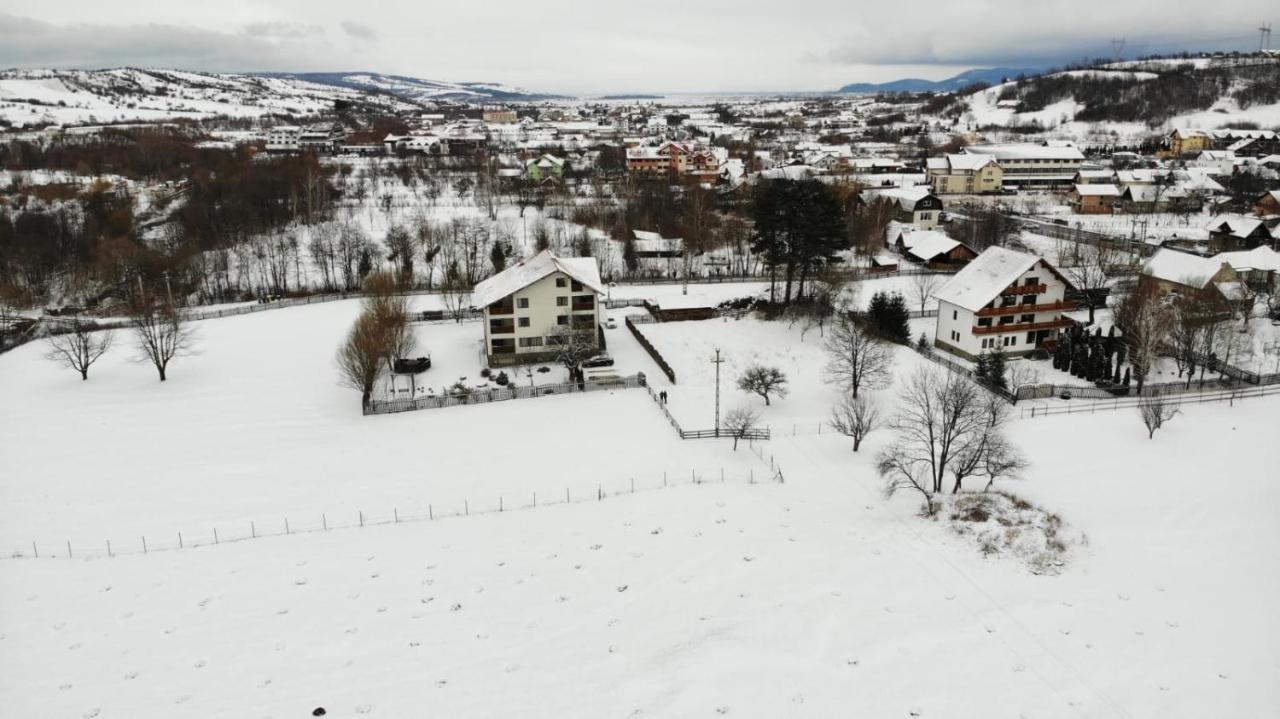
{"x": 964, "y": 174}
{"x": 1189, "y": 141}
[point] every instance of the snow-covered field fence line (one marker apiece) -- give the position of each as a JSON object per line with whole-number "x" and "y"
{"x": 359, "y": 518}
{"x": 749, "y": 435}
{"x": 1176, "y": 400}
{"x": 502, "y": 394}
{"x": 631, "y": 321}
{"x": 1236, "y": 380}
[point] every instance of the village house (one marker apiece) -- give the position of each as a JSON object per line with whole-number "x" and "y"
{"x": 1239, "y": 232}
{"x": 672, "y": 159}
{"x": 960, "y": 173}
{"x": 1258, "y": 268}
{"x": 499, "y": 115}
{"x": 1172, "y": 272}
{"x": 1185, "y": 141}
{"x": 932, "y": 248}
{"x": 1267, "y": 204}
{"x": 916, "y": 205}
{"x": 1095, "y": 176}
{"x": 1094, "y": 199}
{"x": 525, "y": 304}
{"x": 547, "y": 168}
{"x": 1006, "y": 299}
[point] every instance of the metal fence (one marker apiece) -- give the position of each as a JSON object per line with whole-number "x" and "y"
{"x": 1177, "y": 400}
{"x": 749, "y": 435}
{"x": 215, "y": 534}
{"x": 502, "y": 394}
{"x": 631, "y": 321}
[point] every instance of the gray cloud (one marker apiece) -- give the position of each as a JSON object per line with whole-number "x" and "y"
{"x": 33, "y": 43}
{"x": 277, "y": 29}
{"x": 357, "y": 30}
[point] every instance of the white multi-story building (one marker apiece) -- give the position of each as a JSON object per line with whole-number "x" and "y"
{"x": 1005, "y": 299}
{"x": 284, "y": 138}
{"x": 1031, "y": 165}
{"x": 526, "y": 304}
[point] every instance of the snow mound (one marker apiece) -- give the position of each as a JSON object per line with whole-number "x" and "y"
{"x": 1000, "y": 523}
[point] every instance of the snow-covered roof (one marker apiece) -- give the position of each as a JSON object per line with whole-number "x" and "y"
{"x": 934, "y": 244}
{"x": 1259, "y": 258}
{"x": 961, "y": 161}
{"x": 526, "y": 272}
{"x": 1236, "y": 225}
{"x": 1097, "y": 190}
{"x": 983, "y": 279}
{"x": 1182, "y": 268}
{"x": 1025, "y": 151}
{"x": 906, "y": 196}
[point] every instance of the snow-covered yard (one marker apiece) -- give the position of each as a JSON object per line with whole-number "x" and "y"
{"x": 817, "y": 597}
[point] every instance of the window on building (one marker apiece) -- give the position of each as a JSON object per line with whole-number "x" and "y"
{"x": 1027, "y": 318}
{"x": 1029, "y": 299}
{"x": 1009, "y": 341}
{"x": 562, "y": 302}
{"x": 522, "y": 303}
{"x": 522, "y": 321}
{"x": 577, "y": 286}
{"x": 1032, "y": 281}
{"x": 954, "y": 314}
{"x": 561, "y": 282}
{"x": 530, "y": 341}
{"x": 1031, "y": 338}
{"x": 1006, "y": 320}
{"x": 562, "y": 319}
{"x": 984, "y": 321}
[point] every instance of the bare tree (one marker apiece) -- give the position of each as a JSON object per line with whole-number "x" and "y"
{"x": 856, "y": 359}
{"x": 944, "y": 424}
{"x": 764, "y": 381}
{"x": 455, "y": 293}
{"x": 855, "y": 417}
{"x": 390, "y": 310}
{"x": 162, "y": 335}
{"x": 1155, "y": 409}
{"x": 1086, "y": 266}
{"x": 361, "y": 358}
{"x": 571, "y": 346}
{"x": 1146, "y": 323}
{"x": 79, "y": 348}
{"x": 923, "y": 286}
{"x": 739, "y": 423}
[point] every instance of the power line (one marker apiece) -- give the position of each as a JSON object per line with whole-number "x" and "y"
{"x": 1264, "y": 37}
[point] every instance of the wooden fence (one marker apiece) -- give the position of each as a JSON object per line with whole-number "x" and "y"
{"x": 631, "y": 322}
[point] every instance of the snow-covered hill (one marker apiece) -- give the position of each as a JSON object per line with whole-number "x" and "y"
{"x": 69, "y": 97}
{"x": 418, "y": 89}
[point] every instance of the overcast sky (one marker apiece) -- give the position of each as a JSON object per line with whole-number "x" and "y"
{"x": 593, "y": 46}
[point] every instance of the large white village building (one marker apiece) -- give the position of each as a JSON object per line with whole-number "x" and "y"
{"x": 1005, "y": 299}
{"x": 525, "y": 304}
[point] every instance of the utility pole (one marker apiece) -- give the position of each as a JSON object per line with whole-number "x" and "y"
{"x": 717, "y": 362}
{"x": 1264, "y": 37}
{"x": 1117, "y": 47}
{"x": 168, "y": 288}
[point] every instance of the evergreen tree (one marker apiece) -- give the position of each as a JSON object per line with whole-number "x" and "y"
{"x": 997, "y": 368}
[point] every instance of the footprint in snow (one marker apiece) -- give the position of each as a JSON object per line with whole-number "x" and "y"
{"x": 797, "y": 699}
{"x": 989, "y": 629}
{"x": 353, "y": 595}
{"x": 1173, "y": 625}
{"x": 656, "y": 531}
{"x": 303, "y": 563}
{"x": 300, "y": 582}
{"x": 428, "y": 582}
{"x": 949, "y": 597}
{"x": 613, "y": 622}
{"x": 577, "y": 566}
{"x": 280, "y": 646}
{"x": 1123, "y": 597}
{"x": 1224, "y": 676}
{"x": 851, "y": 662}
{"x": 748, "y": 558}
{"x": 482, "y": 635}
{"x": 352, "y": 630}
{"x": 382, "y": 610}
{"x": 1065, "y": 632}
{"x": 511, "y": 668}
{"x": 561, "y": 599}
{"x": 264, "y": 683}
{"x": 374, "y": 576}
{"x": 613, "y": 649}
{"x": 1019, "y": 668}
{"x": 182, "y": 699}
{"x": 282, "y": 612}
{"x": 721, "y": 520}
{"x": 722, "y": 710}
{"x": 441, "y": 683}
{"x": 91, "y": 713}
{"x": 57, "y": 628}
{"x": 876, "y": 552}
{"x": 131, "y": 675}
{"x": 622, "y": 588}
{"x": 200, "y": 664}
{"x": 1139, "y": 632}
{"x": 75, "y": 646}
{"x": 430, "y": 567}
{"x": 170, "y": 630}
{"x": 418, "y": 615}
{"x": 364, "y": 709}
{"x": 65, "y": 687}
{"x": 596, "y": 546}
{"x": 455, "y": 607}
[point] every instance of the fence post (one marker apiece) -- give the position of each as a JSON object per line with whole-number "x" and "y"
{"x": 109, "y": 553}
{"x": 144, "y": 544}
{"x": 324, "y": 521}
{"x": 722, "y": 475}
{"x": 535, "y": 499}
{"x": 499, "y": 503}
{"x": 664, "y": 477}
{"x": 180, "y": 544}
{"x": 361, "y": 513}
{"x": 68, "y": 549}
{"x": 751, "y": 476}
{"x": 599, "y": 493}
{"x": 215, "y": 535}
{"x": 566, "y": 495}
{"x": 466, "y": 507}
{"x": 633, "y": 485}
{"x": 253, "y": 530}
{"x": 286, "y": 525}
{"x": 395, "y": 513}
{"x": 35, "y": 549}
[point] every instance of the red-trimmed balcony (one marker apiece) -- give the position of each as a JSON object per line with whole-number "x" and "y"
{"x": 1025, "y": 290}
{"x": 1059, "y": 306}
{"x": 1022, "y": 327}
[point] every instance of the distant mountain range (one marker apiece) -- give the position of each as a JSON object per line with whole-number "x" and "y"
{"x": 990, "y": 75}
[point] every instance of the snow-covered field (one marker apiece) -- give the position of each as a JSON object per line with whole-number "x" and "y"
{"x": 817, "y": 597}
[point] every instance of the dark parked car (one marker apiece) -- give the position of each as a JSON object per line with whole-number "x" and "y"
{"x": 412, "y": 366}
{"x": 598, "y": 361}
